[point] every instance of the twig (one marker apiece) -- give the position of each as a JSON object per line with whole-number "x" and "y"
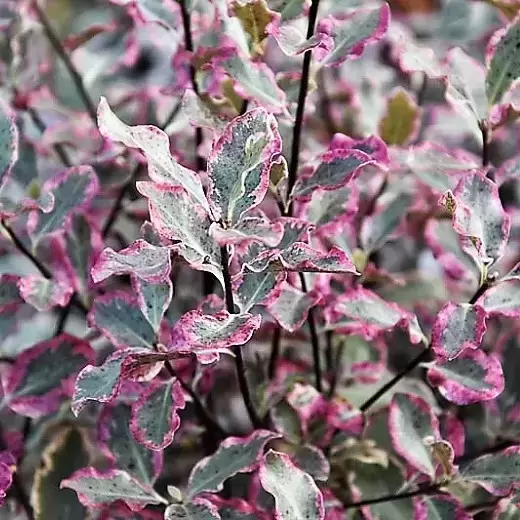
{"x": 275, "y": 352}
{"x": 239, "y": 360}
{"x": 65, "y": 58}
{"x": 486, "y": 135}
{"x": 336, "y": 370}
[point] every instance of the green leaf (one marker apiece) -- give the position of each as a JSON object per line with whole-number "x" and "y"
{"x": 400, "y": 123}
{"x": 8, "y": 141}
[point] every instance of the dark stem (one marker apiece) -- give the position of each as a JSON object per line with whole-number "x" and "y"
{"x": 243, "y": 108}
{"x": 421, "y": 490}
{"x": 486, "y": 135}
{"x": 499, "y": 446}
{"x": 421, "y": 94}
{"x": 172, "y": 115}
{"x": 275, "y": 352}
{"x": 239, "y": 360}
{"x": 414, "y": 363}
{"x": 300, "y": 110}
{"x": 311, "y": 321}
{"x": 336, "y": 370}
{"x": 65, "y": 58}
{"x": 329, "y": 352}
{"x": 44, "y": 271}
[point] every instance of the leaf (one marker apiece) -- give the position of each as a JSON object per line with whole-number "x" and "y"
{"x": 466, "y": 85}
{"x": 154, "y": 300}
{"x": 292, "y": 42}
{"x": 98, "y": 383}
{"x": 288, "y": 9}
{"x": 43, "y": 375}
{"x": 8, "y": 142}
{"x": 206, "y": 335}
{"x": 440, "y": 507}
{"x": 254, "y": 16}
{"x": 256, "y": 81}
{"x": 328, "y": 208}
{"x": 502, "y": 299}
{"x": 7, "y": 468}
{"x": 147, "y": 11}
{"x": 411, "y": 423}
{"x": 199, "y": 510}
{"x": 478, "y": 215}
{"x": 119, "y": 318}
{"x": 73, "y": 191}
{"x": 470, "y": 378}
{"x": 234, "y": 455}
{"x": 313, "y": 461}
{"x": 458, "y": 326}
{"x": 377, "y": 228}
{"x": 9, "y": 295}
{"x": 44, "y": 294}
{"x": 303, "y": 258}
{"x": 65, "y": 454}
{"x": 123, "y": 450}
{"x": 95, "y": 489}
{"x": 150, "y": 263}
{"x": 362, "y": 312}
{"x": 504, "y": 66}
{"x": 257, "y": 288}
{"x": 239, "y": 164}
{"x": 292, "y": 306}
{"x": 155, "y": 416}
{"x": 400, "y": 124}
{"x": 498, "y": 473}
{"x": 351, "y": 35}
{"x": 337, "y": 169}
{"x": 200, "y": 114}
{"x": 155, "y": 145}
{"x": 295, "y": 494}
{"x": 256, "y": 229}
{"x": 176, "y": 217}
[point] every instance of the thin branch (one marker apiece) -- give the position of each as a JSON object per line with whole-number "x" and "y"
{"x": 486, "y": 137}
{"x": 336, "y": 370}
{"x": 300, "y": 109}
{"x": 275, "y": 352}
{"x": 421, "y": 490}
{"x": 239, "y": 360}
{"x": 65, "y": 58}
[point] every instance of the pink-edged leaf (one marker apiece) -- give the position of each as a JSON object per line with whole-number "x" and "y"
{"x": 200, "y": 114}
{"x": 303, "y": 258}
{"x": 256, "y": 81}
{"x": 119, "y": 445}
{"x": 73, "y": 190}
{"x": 119, "y": 511}
{"x": 291, "y": 307}
{"x": 292, "y": 42}
{"x": 258, "y": 288}
{"x": 256, "y": 229}
{"x": 98, "y": 383}
{"x": 155, "y": 416}
{"x": 470, "y": 378}
{"x": 295, "y": 493}
{"x": 239, "y": 164}
{"x": 439, "y": 507}
{"x": 458, "y": 326}
{"x": 8, "y": 141}
{"x": 44, "y": 294}
{"x": 504, "y": 67}
{"x": 312, "y": 460}
{"x": 498, "y": 473}
{"x": 148, "y": 262}
{"x": 150, "y": 11}
{"x": 508, "y": 171}
{"x": 377, "y": 228}
{"x": 44, "y": 375}
{"x": 96, "y": 489}
{"x": 9, "y": 294}
{"x": 177, "y": 217}
{"x": 7, "y": 468}
{"x": 361, "y": 311}
{"x": 119, "y": 318}
{"x": 234, "y": 455}
{"x": 155, "y": 145}
{"x": 352, "y": 34}
{"x": 338, "y": 167}
{"x": 153, "y": 299}
{"x": 466, "y": 85}
{"x": 235, "y": 508}
{"x": 503, "y": 299}
{"x": 478, "y": 215}
{"x": 413, "y": 425}
{"x": 199, "y": 509}
{"x": 206, "y": 335}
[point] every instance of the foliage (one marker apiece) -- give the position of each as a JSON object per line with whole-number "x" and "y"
{"x": 259, "y": 259}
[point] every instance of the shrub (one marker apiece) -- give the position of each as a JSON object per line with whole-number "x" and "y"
{"x": 259, "y": 259}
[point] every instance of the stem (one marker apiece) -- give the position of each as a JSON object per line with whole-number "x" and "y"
{"x": 421, "y": 94}
{"x": 239, "y": 360}
{"x": 421, "y": 490}
{"x": 300, "y": 110}
{"x": 65, "y": 58}
{"x": 275, "y": 352}
{"x": 44, "y": 271}
{"x": 336, "y": 370}
{"x": 486, "y": 135}
{"x": 414, "y": 363}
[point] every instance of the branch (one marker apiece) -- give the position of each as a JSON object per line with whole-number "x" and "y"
{"x": 65, "y": 58}
{"x": 486, "y": 138}
{"x": 239, "y": 360}
{"x": 275, "y": 352}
